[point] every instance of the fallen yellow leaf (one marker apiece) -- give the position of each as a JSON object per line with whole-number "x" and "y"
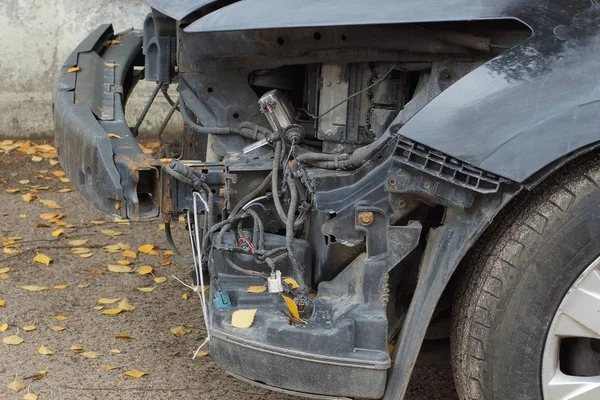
{"x": 36, "y": 158}
{"x": 243, "y": 318}
{"x": 146, "y": 248}
{"x": 57, "y": 328}
{"x": 124, "y": 262}
{"x": 169, "y": 253}
{"x": 185, "y": 296}
{"x": 65, "y": 190}
{"x": 292, "y": 283}
{"x": 12, "y": 191}
{"x": 76, "y": 349}
{"x": 42, "y": 259}
{"x": 43, "y": 350}
{"x": 16, "y": 386}
{"x": 29, "y": 197}
{"x": 78, "y": 243}
{"x": 110, "y": 232}
{"x": 135, "y": 373}
{"x": 2, "y": 303}
{"x": 119, "y": 268}
{"x": 24, "y": 181}
{"x": 58, "y": 174}
{"x": 50, "y": 204}
{"x": 146, "y": 289}
{"x": 12, "y": 340}
{"x": 115, "y": 351}
{"x": 4, "y": 270}
{"x": 98, "y": 308}
{"x": 112, "y": 311}
{"x": 256, "y": 289}
{"x": 90, "y": 354}
{"x": 114, "y": 136}
{"x": 53, "y": 162}
{"x": 124, "y": 336}
{"x": 145, "y": 270}
{"x": 61, "y": 318}
{"x": 96, "y": 222}
{"x": 180, "y": 330}
{"x": 61, "y": 287}
{"x": 58, "y": 232}
{"x": 30, "y": 396}
{"x": 29, "y": 328}
{"x": 125, "y": 305}
{"x": 73, "y": 69}
{"x": 202, "y": 353}
{"x": 33, "y": 288}
{"x": 108, "y": 367}
{"x": 86, "y": 255}
{"x": 80, "y": 250}
{"x": 106, "y": 300}
{"x": 129, "y": 254}
{"x": 3, "y": 327}
{"x": 292, "y": 307}
{"x": 160, "y": 279}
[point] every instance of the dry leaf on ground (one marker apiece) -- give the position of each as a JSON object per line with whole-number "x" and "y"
{"x": 180, "y": 330}
{"x": 135, "y": 373}
{"x": 16, "y": 386}
{"x": 119, "y": 268}
{"x": 292, "y": 307}
{"x": 57, "y": 328}
{"x": 145, "y": 270}
{"x": 90, "y": 354}
{"x": 105, "y": 300}
{"x": 33, "y": 288}
{"x": 30, "y": 396}
{"x": 12, "y": 340}
{"x": 42, "y": 259}
{"x": 125, "y": 305}
{"x": 43, "y": 350}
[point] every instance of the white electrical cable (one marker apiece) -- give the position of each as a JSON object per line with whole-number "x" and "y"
{"x": 197, "y": 254}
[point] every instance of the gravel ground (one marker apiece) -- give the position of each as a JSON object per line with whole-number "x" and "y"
{"x": 167, "y": 359}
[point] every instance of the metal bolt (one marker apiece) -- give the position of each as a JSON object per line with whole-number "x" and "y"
{"x": 392, "y": 182}
{"x": 329, "y": 133}
{"x": 327, "y": 83}
{"x": 365, "y": 218}
{"x": 427, "y": 185}
{"x": 401, "y": 203}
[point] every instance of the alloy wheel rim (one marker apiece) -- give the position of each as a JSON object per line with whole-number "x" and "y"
{"x": 578, "y": 316}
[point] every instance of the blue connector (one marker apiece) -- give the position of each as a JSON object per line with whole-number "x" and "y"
{"x": 221, "y": 299}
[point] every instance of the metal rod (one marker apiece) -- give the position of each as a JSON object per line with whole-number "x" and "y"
{"x": 136, "y": 128}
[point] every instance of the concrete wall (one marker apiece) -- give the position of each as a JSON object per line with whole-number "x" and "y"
{"x": 36, "y": 37}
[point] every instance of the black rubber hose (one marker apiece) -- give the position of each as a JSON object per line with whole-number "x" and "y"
{"x": 204, "y": 130}
{"x": 173, "y": 246}
{"x": 289, "y": 226}
{"x": 275, "y": 183}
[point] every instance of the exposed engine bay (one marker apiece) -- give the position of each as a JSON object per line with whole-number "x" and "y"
{"x": 306, "y": 206}
{"x": 312, "y": 200}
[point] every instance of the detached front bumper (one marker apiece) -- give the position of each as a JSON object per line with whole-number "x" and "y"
{"x": 111, "y": 171}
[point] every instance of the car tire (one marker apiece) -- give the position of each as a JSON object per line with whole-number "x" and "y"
{"x": 511, "y": 286}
